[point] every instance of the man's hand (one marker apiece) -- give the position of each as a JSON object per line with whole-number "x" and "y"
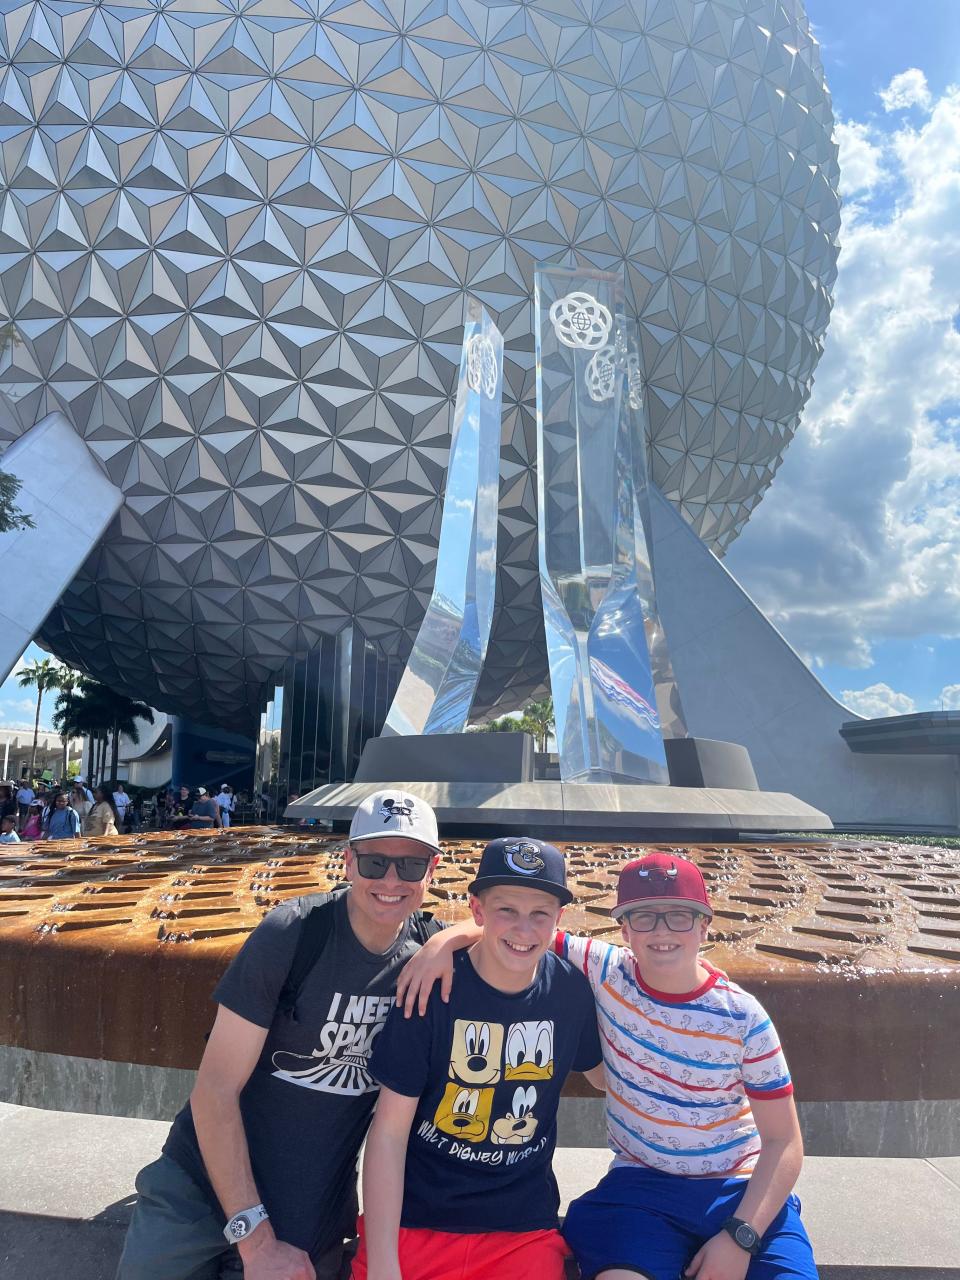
{"x": 434, "y": 960}
{"x": 267, "y": 1258}
{"x": 721, "y": 1258}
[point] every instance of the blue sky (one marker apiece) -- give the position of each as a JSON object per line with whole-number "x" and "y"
{"x": 855, "y": 550}
{"x": 19, "y": 706}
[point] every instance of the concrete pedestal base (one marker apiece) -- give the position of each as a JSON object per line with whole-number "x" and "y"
{"x": 568, "y": 810}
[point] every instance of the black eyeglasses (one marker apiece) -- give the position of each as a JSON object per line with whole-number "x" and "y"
{"x": 677, "y": 920}
{"x": 374, "y": 866}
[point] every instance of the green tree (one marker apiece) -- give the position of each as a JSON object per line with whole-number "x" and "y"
{"x": 96, "y": 711}
{"x": 11, "y": 517}
{"x": 43, "y": 674}
{"x": 506, "y": 724}
{"x": 539, "y": 722}
{"x": 67, "y": 684}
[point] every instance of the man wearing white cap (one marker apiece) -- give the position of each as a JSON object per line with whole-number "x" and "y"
{"x": 258, "y": 1173}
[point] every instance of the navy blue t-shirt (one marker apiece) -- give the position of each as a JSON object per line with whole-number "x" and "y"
{"x": 488, "y": 1069}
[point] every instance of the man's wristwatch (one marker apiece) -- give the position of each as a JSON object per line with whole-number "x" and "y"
{"x": 242, "y": 1224}
{"x": 743, "y": 1234}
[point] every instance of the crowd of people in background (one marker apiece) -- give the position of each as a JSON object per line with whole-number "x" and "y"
{"x": 54, "y": 811}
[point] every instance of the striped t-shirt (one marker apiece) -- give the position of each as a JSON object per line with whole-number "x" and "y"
{"x": 680, "y": 1070}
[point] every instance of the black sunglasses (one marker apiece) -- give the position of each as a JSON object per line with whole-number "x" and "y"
{"x": 374, "y": 866}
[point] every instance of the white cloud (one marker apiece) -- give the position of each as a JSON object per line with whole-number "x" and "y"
{"x": 861, "y": 158}
{"x": 908, "y": 89}
{"x": 950, "y": 697}
{"x": 859, "y": 536}
{"x": 878, "y": 700}
{"x": 18, "y": 711}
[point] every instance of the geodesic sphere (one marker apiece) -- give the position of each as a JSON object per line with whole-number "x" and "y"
{"x": 236, "y": 243}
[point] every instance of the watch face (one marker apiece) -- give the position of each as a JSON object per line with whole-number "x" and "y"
{"x": 239, "y": 1227}
{"x": 745, "y": 1236}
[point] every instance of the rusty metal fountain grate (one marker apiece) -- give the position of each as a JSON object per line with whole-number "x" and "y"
{"x": 126, "y": 937}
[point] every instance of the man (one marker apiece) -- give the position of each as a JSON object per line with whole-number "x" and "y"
{"x": 225, "y": 803}
{"x": 457, "y": 1177}
{"x": 25, "y": 798}
{"x": 205, "y": 812}
{"x": 121, "y": 802}
{"x": 178, "y": 807}
{"x": 270, "y": 1138}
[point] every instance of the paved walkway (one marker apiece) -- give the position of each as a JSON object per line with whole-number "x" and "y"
{"x": 66, "y": 1187}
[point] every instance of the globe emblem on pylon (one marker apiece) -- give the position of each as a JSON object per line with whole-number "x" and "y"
{"x": 601, "y": 373}
{"x": 482, "y": 366}
{"x": 634, "y": 381}
{"x": 580, "y": 321}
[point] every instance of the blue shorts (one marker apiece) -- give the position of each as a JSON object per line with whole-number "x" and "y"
{"x": 653, "y": 1223}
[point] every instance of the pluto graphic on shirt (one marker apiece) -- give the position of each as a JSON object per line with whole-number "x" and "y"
{"x": 339, "y": 1063}
{"x": 482, "y": 1055}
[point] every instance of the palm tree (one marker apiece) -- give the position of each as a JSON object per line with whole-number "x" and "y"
{"x": 44, "y": 674}
{"x": 538, "y": 720}
{"x": 97, "y": 711}
{"x": 67, "y": 684}
{"x": 125, "y": 712}
{"x": 506, "y": 724}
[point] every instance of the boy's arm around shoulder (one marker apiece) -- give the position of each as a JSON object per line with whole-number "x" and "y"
{"x": 589, "y": 1055}
{"x": 383, "y": 1166}
{"x": 433, "y": 963}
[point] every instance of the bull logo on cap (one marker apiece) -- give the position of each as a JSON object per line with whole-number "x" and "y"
{"x": 666, "y": 873}
{"x": 402, "y": 807}
{"x": 523, "y": 856}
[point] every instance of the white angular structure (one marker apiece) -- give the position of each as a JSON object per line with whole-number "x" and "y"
{"x": 236, "y": 244}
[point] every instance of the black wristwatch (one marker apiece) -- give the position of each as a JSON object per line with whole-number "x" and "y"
{"x": 743, "y": 1235}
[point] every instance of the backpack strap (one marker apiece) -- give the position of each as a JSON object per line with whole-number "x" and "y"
{"x": 316, "y": 913}
{"x": 423, "y": 926}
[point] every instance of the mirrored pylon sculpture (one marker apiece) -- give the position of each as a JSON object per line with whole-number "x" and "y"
{"x": 632, "y": 445}
{"x": 598, "y": 603}
{"x": 437, "y": 687}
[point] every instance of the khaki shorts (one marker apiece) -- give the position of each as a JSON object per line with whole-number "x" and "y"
{"x": 174, "y": 1234}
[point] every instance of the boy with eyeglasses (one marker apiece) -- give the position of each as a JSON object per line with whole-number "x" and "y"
{"x": 258, "y": 1173}
{"x": 700, "y": 1112}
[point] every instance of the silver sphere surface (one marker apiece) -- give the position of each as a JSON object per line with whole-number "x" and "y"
{"x": 236, "y": 239}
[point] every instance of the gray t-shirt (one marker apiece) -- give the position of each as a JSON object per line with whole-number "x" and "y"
{"x": 308, "y": 1102}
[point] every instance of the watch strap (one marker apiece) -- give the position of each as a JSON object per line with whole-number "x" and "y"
{"x": 244, "y": 1223}
{"x": 743, "y": 1235}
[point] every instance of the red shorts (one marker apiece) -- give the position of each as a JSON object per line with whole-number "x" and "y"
{"x": 489, "y": 1255}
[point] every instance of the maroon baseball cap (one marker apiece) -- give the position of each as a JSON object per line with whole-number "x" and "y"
{"x": 662, "y": 879}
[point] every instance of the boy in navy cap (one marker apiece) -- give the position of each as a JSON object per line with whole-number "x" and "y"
{"x": 700, "y": 1112}
{"x": 457, "y": 1177}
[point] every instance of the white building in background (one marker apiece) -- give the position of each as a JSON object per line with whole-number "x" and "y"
{"x": 16, "y": 745}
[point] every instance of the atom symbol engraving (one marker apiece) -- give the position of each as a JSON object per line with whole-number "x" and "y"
{"x": 580, "y": 321}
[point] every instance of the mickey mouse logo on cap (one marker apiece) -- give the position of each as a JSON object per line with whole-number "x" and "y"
{"x": 402, "y": 807}
{"x": 523, "y": 856}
